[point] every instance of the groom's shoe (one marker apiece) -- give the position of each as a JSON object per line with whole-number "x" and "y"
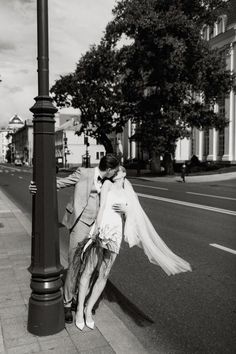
{"x": 68, "y": 315}
{"x": 74, "y": 305}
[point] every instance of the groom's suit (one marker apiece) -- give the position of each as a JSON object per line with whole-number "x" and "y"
{"x": 82, "y": 179}
{"x": 80, "y": 214}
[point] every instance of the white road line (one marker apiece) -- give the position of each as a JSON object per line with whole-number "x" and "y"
{"x": 199, "y": 206}
{"x": 223, "y": 248}
{"x": 144, "y": 185}
{"x": 20, "y": 177}
{"x": 12, "y": 174}
{"x": 212, "y": 196}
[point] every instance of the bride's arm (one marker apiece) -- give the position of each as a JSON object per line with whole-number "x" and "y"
{"x": 103, "y": 197}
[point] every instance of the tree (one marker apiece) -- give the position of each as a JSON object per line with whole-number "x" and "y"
{"x": 94, "y": 88}
{"x": 170, "y": 75}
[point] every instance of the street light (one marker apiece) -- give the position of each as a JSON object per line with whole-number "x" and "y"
{"x": 46, "y": 312}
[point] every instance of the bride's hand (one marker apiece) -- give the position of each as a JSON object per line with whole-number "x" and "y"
{"x": 120, "y": 208}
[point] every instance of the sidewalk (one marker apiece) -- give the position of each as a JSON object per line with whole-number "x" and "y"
{"x": 145, "y": 175}
{"x": 110, "y": 334}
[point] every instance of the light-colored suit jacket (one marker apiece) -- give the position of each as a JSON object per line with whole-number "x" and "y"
{"x": 82, "y": 179}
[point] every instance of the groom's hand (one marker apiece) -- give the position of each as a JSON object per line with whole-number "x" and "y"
{"x": 120, "y": 208}
{"x": 32, "y": 187}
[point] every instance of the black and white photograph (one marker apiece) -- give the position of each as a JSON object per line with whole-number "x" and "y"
{"x": 117, "y": 176}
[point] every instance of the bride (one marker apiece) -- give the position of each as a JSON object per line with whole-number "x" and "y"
{"x": 120, "y": 214}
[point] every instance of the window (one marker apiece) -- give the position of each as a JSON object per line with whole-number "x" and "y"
{"x": 211, "y": 32}
{"x": 99, "y": 155}
{"x": 204, "y": 33}
{"x": 220, "y": 25}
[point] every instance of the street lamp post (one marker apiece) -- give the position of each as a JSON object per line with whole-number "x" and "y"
{"x": 46, "y": 312}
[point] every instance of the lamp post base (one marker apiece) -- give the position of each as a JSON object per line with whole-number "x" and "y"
{"x": 46, "y": 317}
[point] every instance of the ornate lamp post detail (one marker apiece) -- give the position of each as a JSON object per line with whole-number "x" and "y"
{"x": 46, "y": 312}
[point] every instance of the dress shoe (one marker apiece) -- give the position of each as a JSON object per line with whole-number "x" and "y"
{"x": 68, "y": 315}
{"x": 79, "y": 325}
{"x": 74, "y": 305}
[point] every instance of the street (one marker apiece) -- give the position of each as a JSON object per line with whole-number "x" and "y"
{"x": 187, "y": 313}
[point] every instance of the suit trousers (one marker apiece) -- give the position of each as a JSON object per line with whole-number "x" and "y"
{"x": 79, "y": 232}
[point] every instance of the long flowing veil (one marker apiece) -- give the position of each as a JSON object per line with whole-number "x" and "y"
{"x": 139, "y": 231}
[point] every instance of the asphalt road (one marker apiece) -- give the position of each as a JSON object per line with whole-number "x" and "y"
{"x": 186, "y": 313}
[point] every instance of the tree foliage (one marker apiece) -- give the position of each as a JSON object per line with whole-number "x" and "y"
{"x": 94, "y": 88}
{"x": 167, "y": 78}
{"x": 172, "y": 76}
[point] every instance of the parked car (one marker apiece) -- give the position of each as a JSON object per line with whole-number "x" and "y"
{"x": 18, "y": 162}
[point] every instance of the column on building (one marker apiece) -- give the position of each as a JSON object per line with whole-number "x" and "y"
{"x": 132, "y": 142}
{"x": 200, "y": 144}
{"x": 229, "y": 148}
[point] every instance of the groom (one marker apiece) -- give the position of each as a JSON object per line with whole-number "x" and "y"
{"x": 81, "y": 212}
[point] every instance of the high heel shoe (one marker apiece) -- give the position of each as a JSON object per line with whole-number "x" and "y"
{"x": 90, "y": 324}
{"x": 80, "y": 325}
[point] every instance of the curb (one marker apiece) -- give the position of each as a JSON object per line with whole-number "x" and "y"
{"x": 119, "y": 337}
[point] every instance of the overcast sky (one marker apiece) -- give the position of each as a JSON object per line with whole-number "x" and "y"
{"x": 73, "y": 26}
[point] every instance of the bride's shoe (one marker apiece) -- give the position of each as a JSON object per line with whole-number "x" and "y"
{"x": 89, "y": 324}
{"x": 80, "y": 325}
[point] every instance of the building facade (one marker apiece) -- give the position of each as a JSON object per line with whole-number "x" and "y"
{"x": 4, "y": 141}
{"x": 212, "y": 144}
{"x": 71, "y": 149}
{"x": 22, "y": 143}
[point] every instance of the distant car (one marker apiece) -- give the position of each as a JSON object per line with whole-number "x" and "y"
{"x": 18, "y": 162}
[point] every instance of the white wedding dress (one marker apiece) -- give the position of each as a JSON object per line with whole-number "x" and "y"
{"x": 137, "y": 230}
{"x": 111, "y": 227}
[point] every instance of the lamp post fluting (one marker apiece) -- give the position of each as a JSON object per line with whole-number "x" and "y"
{"x": 46, "y": 312}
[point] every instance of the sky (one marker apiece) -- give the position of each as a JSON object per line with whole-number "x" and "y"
{"x": 74, "y": 25}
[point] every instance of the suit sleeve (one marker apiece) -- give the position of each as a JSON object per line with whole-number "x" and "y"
{"x": 71, "y": 180}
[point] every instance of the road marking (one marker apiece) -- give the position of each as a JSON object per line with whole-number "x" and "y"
{"x": 143, "y": 185}
{"x": 223, "y": 248}
{"x": 212, "y": 196}
{"x": 192, "y": 205}
{"x": 12, "y": 174}
{"x": 20, "y": 177}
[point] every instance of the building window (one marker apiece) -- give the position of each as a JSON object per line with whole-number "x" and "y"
{"x": 99, "y": 155}
{"x": 211, "y": 32}
{"x": 204, "y": 33}
{"x": 220, "y": 25}
{"x": 206, "y": 143}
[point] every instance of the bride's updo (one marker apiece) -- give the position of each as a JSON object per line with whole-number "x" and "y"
{"x": 120, "y": 174}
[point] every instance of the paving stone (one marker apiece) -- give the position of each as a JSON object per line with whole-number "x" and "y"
{"x": 15, "y": 332}
{"x": 25, "y": 349}
{"x": 11, "y": 299}
{"x": 13, "y": 311}
{"x": 6, "y": 288}
{"x": 19, "y": 260}
{"x": 102, "y": 350}
{"x": 88, "y": 340}
{"x": 7, "y": 276}
{"x": 59, "y": 344}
